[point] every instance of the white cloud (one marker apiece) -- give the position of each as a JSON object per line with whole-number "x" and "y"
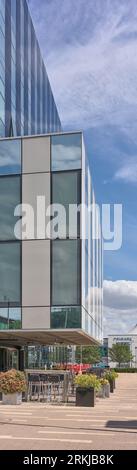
{"x": 120, "y": 294}
{"x": 116, "y": 322}
{"x": 120, "y": 306}
{"x": 127, "y": 173}
{"x": 90, "y": 55}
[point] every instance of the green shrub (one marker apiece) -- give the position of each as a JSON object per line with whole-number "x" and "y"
{"x": 110, "y": 375}
{"x": 131, "y": 370}
{"x": 87, "y": 381}
{"x": 12, "y": 381}
{"x": 104, "y": 381}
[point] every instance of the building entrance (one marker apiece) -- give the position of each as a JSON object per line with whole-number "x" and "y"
{"x": 9, "y": 359}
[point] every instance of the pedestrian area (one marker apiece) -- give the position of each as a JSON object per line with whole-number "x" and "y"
{"x": 112, "y": 424}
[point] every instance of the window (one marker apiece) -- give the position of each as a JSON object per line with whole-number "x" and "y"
{"x": 10, "y": 268}
{"x": 9, "y": 199}
{"x": 10, "y": 318}
{"x": 65, "y": 317}
{"x": 66, "y": 272}
{"x": 14, "y": 318}
{"x": 66, "y": 190}
{"x": 66, "y": 152}
{"x": 3, "y": 318}
{"x": 10, "y": 157}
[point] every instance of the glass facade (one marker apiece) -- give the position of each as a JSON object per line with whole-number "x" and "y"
{"x": 10, "y": 157}
{"x": 10, "y": 197}
{"x": 10, "y": 318}
{"x": 10, "y": 248}
{"x": 66, "y": 190}
{"x": 65, "y": 317}
{"x": 27, "y": 104}
{"x": 66, "y": 152}
{"x": 92, "y": 284}
{"x": 55, "y": 284}
{"x": 66, "y": 272}
{"x": 10, "y": 272}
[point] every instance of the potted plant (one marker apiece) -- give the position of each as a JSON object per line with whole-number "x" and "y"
{"x": 115, "y": 376}
{"x": 105, "y": 388}
{"x": 86, "y": 387}
{"x": 111, "y": 376}
{"x": 12, "y": 384}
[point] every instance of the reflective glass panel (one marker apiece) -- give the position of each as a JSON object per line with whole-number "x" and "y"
{"x": 66, "y": 190}
{"x": 66, "y": 152}
{"x": 10, "y": 267}
{"x": 65, "y": 317}
{"x": 14, "y": 318}
{"x": 10, "y": 318}
{"x": 66, "y": 272}
{"x": 3, "y": 318}
{"x": 10, "y": 157}
{"x": 9, "y": 199}
{"x": 2, "y": 129}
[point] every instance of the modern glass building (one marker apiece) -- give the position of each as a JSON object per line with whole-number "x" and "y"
{"x": 50, "y": 261}
{"x": 50, "y": 286}
{"x": 27, "y": 105}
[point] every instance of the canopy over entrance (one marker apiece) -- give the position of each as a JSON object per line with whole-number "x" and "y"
{"x": 45, "y": 337}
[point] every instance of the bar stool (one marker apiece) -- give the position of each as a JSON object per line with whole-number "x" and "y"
{"x": 34, "y": 387}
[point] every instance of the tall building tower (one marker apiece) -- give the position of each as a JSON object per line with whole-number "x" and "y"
{"x": 27, "y": 105}
{"x": 50, "y": 288}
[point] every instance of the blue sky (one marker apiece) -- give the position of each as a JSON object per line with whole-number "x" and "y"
{"x": 90, "y": 51}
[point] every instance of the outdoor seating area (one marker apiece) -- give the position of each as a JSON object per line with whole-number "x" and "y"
{"x": 50, "y": 386}
{"x": 61, "y": 386}
{"x": 55, "y": 386}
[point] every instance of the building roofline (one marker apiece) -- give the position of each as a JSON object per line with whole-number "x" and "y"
{"x": 122, "y": 334}
{"x": 48, "y": 134}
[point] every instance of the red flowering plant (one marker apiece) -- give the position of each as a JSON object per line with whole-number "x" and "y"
{"x": 12, "y": 381}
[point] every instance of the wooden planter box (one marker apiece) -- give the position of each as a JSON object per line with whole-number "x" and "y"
{"x": 12, "y": 399}
{"x": 85, "y": 396}
{"x": 104, "y": 392}
{"x": 101, "y": 392}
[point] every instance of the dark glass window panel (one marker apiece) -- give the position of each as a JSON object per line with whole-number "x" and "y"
{"x": 66, "y": 190}
{"x": 10, "y": 318}
{"x": 3, "y": 318}
{"x": 10, "y": 268}
{"x": 10, "y": 157}
{"x": 66, "y": 152}
{"x": 9, "y": 199}
{"x": 66, "y": 272}
{"x": 65, "y": 317}
{"x": 14, "y": 318}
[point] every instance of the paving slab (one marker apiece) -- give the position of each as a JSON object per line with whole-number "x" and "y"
{"x": 112, "y": 424}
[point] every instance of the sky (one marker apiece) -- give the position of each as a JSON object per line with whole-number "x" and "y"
{"x": 90, "y": 51}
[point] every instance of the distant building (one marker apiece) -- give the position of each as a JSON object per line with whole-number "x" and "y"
{"x": 130, "y": 339}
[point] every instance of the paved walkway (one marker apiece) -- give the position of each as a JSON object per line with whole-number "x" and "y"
{"x": 112, "y": 424}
